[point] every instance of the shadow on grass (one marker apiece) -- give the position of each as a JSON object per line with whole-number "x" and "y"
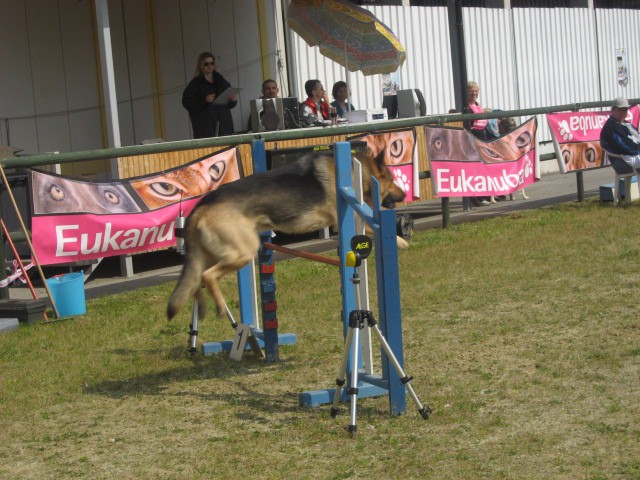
{"x": 214, "y": 367}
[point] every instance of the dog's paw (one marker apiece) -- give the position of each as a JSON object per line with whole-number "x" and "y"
{"x": 172, "y": 311}
{"x": 402, "y": 243}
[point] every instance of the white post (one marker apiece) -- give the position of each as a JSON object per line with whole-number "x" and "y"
{"x": 110, "y": 100}
{"x": 363, "y": 286}
{"x": 108, "y": 77}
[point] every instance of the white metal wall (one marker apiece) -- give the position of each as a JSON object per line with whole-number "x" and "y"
{"x": 521, "y": 58}
{"x": 616, "y": 29}
{"x": 47, "y": 76}
{"x": 50, "y": 90}
{"x": 50, "y": 93}
{"x": 556, "y": 64}
{"x": 429, "y": 71}
{"x": 155, "y": 55}
{"x": 490, "y": 54}
{"x": 428, "y": 63}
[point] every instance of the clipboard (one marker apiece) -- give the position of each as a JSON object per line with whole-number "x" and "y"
{"x": 223, "y": 98}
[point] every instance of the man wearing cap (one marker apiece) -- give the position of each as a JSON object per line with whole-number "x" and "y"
{"x": 618, "y": 137}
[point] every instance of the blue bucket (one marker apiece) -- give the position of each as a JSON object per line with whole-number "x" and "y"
{"x": 68, "y": 293}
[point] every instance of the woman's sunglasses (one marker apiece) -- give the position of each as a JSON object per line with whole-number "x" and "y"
{"x": 208, "y": 64}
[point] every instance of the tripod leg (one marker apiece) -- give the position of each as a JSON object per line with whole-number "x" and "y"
{"x": 353, "y": 388}
{"x": 422, "y": 410}
{"x": 234, "y": 324}
{"x": 342, "y": 373}
{"x": 193, "y": 332}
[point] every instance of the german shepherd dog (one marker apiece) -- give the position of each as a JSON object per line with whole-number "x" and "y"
{"x": 222, "y": 232}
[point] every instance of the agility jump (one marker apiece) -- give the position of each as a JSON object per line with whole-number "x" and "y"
{"x": 383, "y": 224}
{"x": 392, "y": 381}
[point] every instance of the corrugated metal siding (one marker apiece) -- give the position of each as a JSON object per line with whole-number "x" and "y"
{"x": 556, "y": 59}
{"x": 490, "y": 56}
{"x": 425, "y": 35}
{"x": 617, "y": 29}
{"x": 424, "y": 32}
{"x": 522, "y": 58}
{"x": 556, "y": 56}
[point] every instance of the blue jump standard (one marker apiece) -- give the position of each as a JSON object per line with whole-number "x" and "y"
{"x": 225, "y": 346}
{"x": 368, "y": 386}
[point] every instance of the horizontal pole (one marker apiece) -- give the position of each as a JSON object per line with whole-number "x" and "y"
{"x": 298, "y": 253}
{"x": 234, "y": 140}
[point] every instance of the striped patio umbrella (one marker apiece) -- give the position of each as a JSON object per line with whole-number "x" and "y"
{"x": 347, "y": 34}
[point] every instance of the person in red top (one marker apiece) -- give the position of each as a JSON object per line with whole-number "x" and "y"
{"x": 316, "y": 107}
{"x": 477, "y": 127}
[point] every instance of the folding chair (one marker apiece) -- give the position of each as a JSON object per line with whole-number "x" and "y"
{"x": 624, "y": 172}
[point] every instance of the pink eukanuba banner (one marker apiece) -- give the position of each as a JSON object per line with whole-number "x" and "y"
{"x": 76, "y": 220}
{"x": 66, "y": 238}
{"x": 458, "y": 179}
{"x": 576, "y": 138}
{"x": 465, "y": 166}
{"x": 571, "y": 127}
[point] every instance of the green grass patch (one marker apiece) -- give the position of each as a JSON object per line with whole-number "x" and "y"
{"x": 522, "y": 333}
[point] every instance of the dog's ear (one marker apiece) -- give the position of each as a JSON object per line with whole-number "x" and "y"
{"x": 379, "y": 160}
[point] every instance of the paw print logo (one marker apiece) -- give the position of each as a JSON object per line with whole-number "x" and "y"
{"x": 564, "y": 130}
{"x": 401, "y": 180}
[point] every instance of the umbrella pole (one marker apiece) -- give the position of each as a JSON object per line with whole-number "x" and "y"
{"x": 346, "y": 66}
{"x": 346, "y": 76}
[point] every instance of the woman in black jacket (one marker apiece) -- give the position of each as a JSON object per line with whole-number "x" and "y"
{"x": 208, "y": 119}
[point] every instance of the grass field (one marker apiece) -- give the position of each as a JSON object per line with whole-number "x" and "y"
{"x": 522, "y": 333}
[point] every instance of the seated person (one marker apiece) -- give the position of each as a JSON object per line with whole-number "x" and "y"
{"x": 618, "y": 137}
{"x": 477, "y": 127}
{"x": 316, "y": 107}
{"x": 269, "y": 90}
{"x": 340, "y": 92}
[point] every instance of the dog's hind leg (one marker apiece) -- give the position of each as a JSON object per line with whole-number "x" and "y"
{"x": 235, "y": 257}
{"x": 202, "y": 303}
{"x": 188, "y": 285}
{"x": 211, "y": 278}
{"x": 231, "y": 243}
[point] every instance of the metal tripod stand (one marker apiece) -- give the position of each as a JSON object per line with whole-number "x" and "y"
{"x": 193, "y": 327}
{"x": 357, "y": 319}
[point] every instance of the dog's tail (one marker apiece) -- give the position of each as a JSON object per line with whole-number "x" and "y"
{"x": 188, "y": 285}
